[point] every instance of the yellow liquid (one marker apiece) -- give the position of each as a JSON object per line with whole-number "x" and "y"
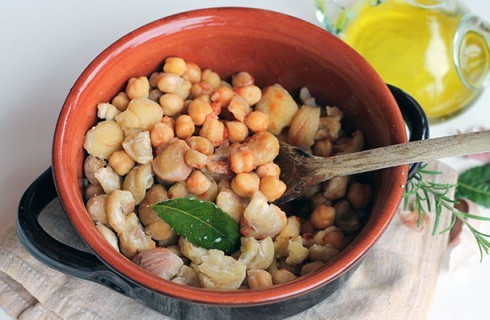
{"x": 411, "y": 48}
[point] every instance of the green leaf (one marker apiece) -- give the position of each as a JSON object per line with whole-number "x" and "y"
{"x": 474, "y": 184}
{"x": 200, "y": 222}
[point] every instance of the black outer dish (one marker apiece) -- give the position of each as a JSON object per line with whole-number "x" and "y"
{"x": 87, "y": 266}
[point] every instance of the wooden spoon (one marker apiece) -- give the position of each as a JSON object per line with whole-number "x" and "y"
{"x": 301, "y": 170}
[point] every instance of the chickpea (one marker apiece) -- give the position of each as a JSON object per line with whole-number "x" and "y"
{"x": 187, "y": 276}
{"x": 138, "y": 147}
{"x": 319, "y": 199}
{"x": 335, "y": 112}
{"x": 218, "y": 164}
{"x": 245, "y": 184}
{"x": 345, "y": 218}
{"x": 241, "y": 161}
{"x": 323, "y": 216}
{"x": 96, "y": 208}
{"x": 108, "y": 234}
{"x": 348, "y": 145}
{"x": 108, "y": 179}
{"x": 155, "y": 194}
{"x": 251, "y": 94}
{"x": 242, "y": 79}
{"x": 192, "y": 73}
{"x": 359, "y": 195}
{"x": 261, "y": 219}
{"x": 138, "y": 88}
{"x": 153, "y": 80}
{"x": 217, "y": 108}
{"x": 230, "y": 203}
{"x": 138, "y": 180}
{"x": 121, "y": 162}
{"x": 200, "y": 144}
{"x": 308, "y": 239}
{"x": 103, "y": 139}
{"x": 324, "y": 253}
{"x": 184, "y": 90}
{"x": 281, "y": 264}
{"x": 141, "y": 113}
{"x": 239, "y": 108}
{"x": 213, "y": 130}
{"x": 90, "y": 167}
{"x": 197, "y": 183}
{"x": 169, "y": 82}
{"x": 311, "y": 267}
{"x": 257, "y": 121}
{"x": 211, "y": 273}
{"x": 120, "y": 101}
{"x": 237, "y": 131}
{"x": 117, "y": 206}
{"x": 92, "y": 191}
{"x": 107, "y": 111}
{"x": 178, "y": 190}
{"x": 184, "y": 127}
{"x": 278, "y": 104}
{"x": 191, "y": 252}
{"x": 336, "y": 238}
{"x": 307, "y": 228}
{"x": 323, "y": 148}
{"x": 168, "y": 121}
{"x": 268, "y": 169}
{"x": 199, "y": 110}
{"x": 291, "y": 229}
{"x": 211, "y": 77}
{"x": 201, "y": 88}
{"x": 329, "y": 128}
{"x": 169, "y": 165}
{"x": 211, "y": 193}
{"x": 283, "y": 276}
{"x": 171, "y": 104}
{"x": 224, "y": 83}
{"x": 159, "y": 231}
{"x": 335, "y": 188}
{"x": 264, "y": 146}
{"x": 175, "y": 65}
{"x": 223, "y": 95}
{"x": 196, "y": 159}
{"x": 296, "y": 252}
{"x": 161, "y": 134}
{"x": 133, "y": 238}
{"x": 259, "y": 279}
{"x": 155, "y": 95}
{"x": 205, "y": 98}
{"x": 272, "y": 188}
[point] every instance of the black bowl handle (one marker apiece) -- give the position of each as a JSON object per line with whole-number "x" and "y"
{"x": 415, "y": 119}
{"x": 54, "y": 253}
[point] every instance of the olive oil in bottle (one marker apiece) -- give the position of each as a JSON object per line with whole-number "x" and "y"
{"x": 411, "y": 47}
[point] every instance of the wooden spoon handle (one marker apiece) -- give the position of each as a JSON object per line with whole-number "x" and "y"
{"x": 394, "y": 155}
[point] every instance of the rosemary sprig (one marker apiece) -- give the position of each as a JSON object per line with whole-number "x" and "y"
{"x": 428, "y": 194}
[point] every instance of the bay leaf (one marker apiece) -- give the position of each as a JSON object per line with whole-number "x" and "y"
{"x": 474, "y": 184}
{"x": 201, "y": 222}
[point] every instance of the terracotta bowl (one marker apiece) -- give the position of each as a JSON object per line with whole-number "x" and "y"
{"x": 274, "y": 48}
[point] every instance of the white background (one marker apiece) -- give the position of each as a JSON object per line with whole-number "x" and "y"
{"x": 46, "y": 44}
